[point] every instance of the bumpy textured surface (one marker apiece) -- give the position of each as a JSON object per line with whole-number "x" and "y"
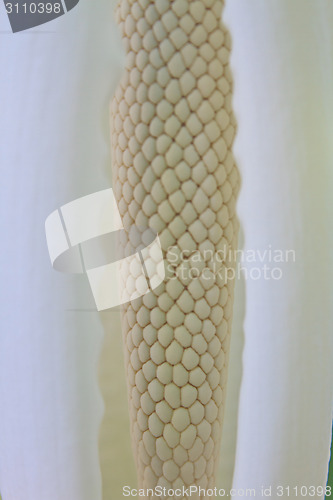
{"x": 172, "y": 132}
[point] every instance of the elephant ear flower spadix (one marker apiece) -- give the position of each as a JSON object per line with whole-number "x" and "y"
{"x": 172, "y": 129}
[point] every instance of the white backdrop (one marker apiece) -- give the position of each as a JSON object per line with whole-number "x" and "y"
{"x": 55, "y": 87}
{"x": 282, "y": 62}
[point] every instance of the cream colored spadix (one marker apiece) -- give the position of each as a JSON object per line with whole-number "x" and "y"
{"x": 174, "y": 172}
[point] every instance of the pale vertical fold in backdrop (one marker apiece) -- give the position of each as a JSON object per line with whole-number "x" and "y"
{"x": 283, "y": 70}
{"x": 55, "y": 88}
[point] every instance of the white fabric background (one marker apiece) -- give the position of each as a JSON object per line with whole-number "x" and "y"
{"x": 55, "y": 87}
{"x": 282, "y": 62}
